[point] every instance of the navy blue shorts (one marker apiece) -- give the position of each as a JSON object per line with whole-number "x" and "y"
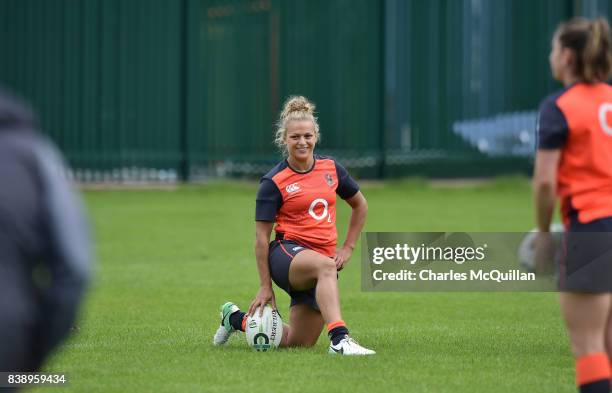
{"x": 586, "y": 260}
{"x": 281, "y": 254}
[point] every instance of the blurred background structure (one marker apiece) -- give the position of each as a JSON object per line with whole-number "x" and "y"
{"x": 167, "y": 90}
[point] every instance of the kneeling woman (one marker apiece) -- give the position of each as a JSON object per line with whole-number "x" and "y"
{"x": 299, "y": 194}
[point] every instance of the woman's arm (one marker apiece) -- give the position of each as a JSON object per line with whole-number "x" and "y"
{"x": 265, "y": 295}
{"x": 544, "y": 198}
{"x": 544, "y": 187}
{"x": 359, "y": 212}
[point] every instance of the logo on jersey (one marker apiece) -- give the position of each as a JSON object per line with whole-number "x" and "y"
{"x": 603, "y": 120}
{"x": 329, "y": 179}
{"x": 291, "y": 188}
{"x": 298, "y": 248}
{"x": 324, "y": 213}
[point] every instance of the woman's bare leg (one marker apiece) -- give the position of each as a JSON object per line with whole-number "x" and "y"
{"x": 586, "y": 317}
{"x": 305, "y": 328}
{"x": 309, "y": 269}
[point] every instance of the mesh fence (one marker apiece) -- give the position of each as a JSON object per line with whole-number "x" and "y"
{"x": 161, "y": 90}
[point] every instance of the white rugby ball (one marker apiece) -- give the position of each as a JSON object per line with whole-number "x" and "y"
{"x": 266, "y": 332}
{"x": 526, "y": 252}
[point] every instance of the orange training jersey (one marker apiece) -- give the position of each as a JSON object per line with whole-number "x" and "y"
{"x": 303, "y": 204}
{"x": 578, "y": 120}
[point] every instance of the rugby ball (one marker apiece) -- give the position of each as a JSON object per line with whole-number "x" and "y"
{"x": 264, "y": 333}
{"x": 526, "y": 252}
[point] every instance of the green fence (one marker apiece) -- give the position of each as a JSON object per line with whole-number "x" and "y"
{"x": 168, "y": 89}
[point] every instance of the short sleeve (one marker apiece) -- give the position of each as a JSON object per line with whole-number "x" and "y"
{"x": 269, "y": 200}
{"x": 347, "y": 186}
{"x": 551, "y": 129}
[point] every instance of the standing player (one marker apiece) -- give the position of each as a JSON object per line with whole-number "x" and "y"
{"x": 574, "y": 159}
{"x": 43, "y": 234}
{"x": 299, "y": 194}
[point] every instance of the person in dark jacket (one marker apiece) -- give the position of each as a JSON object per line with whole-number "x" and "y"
{"x": 45, "y": 248}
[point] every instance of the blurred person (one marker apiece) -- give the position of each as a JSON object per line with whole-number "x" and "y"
{"x": 574, "y": 161}
{"x": 44, "y": 243}
{"x": 299, "y": 194}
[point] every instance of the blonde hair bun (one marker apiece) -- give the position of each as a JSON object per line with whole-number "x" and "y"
{"x": 297, "y": 104}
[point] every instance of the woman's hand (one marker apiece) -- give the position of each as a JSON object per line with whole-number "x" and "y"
{"x": 264, "y": 296}
{"x": 342, "y": 257}
{"x": 544, "y": 248}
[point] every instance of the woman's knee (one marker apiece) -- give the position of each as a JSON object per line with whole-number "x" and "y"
{"x": 326, "y": 267}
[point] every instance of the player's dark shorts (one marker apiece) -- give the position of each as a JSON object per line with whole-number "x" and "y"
{"x": 280, "y": 257}
{"x": 586, "y": 257}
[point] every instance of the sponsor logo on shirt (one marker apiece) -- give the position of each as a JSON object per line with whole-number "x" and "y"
{"x": 603, "y": 120}
{"x": 329, "y": 179}
{"x": 291, "y": 188}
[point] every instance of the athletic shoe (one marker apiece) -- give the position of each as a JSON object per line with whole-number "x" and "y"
{"x": 348, "y": 346}
{"x": 225, "y": 330}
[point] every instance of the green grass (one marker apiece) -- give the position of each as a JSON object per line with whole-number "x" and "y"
{"x": 168, "y": 258}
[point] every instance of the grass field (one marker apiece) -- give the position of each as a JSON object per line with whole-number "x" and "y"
{"x": 168, "y": 258}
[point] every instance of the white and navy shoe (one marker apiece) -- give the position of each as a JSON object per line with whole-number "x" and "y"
{"x": 225, "y": 331}
{"x": 347, "y": 346}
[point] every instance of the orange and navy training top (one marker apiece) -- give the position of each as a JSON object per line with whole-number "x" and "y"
{"x": 578, "y": 120}
{"x": 303, "y": 204}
